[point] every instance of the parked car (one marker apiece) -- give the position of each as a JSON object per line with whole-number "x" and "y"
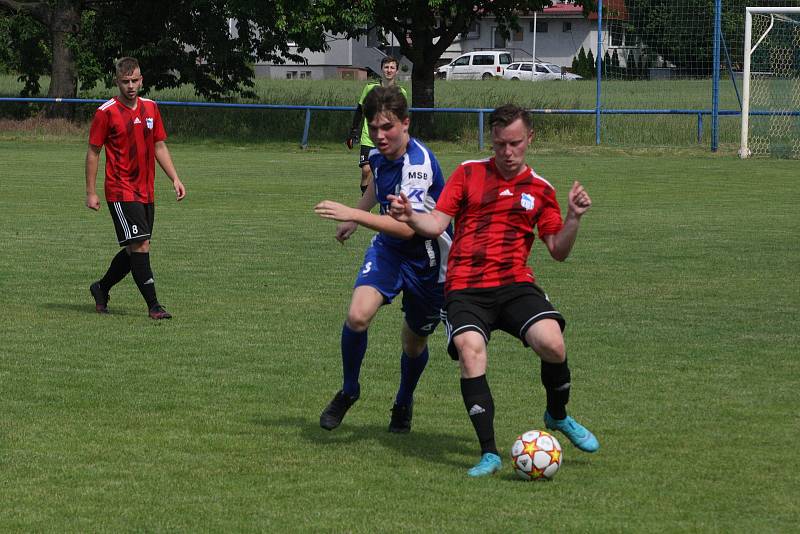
{"x": 481, "y": 65}
{"x": 544, "y": 71}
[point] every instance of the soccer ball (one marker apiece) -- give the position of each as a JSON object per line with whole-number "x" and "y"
{"x": 536, "y": 455}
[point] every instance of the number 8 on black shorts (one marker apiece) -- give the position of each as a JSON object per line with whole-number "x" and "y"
{"x": 133, "y": 221}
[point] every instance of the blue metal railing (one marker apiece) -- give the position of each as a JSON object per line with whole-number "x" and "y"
{"x": 480, "y": 112}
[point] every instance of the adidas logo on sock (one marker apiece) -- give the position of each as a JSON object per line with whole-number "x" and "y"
{"x": 476, "y": 409}
{"x": 149, "y": 281}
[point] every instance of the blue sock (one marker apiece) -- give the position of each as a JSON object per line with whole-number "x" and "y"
{"x": 354, "y": 346}
{"x": 410, "y": 371}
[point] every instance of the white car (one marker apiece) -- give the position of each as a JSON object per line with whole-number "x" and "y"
{"x": 480, "y": 65}
{"x": 544, "y": 71}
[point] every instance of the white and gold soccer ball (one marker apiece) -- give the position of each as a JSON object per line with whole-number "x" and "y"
{"x": 536, "y": 455}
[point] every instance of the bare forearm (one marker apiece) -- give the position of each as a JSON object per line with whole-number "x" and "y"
{"x": 367, "y": 200}
{"x": 165, "y": 161}
{"x": 429, "y": 225}
{"x": 92, "y": 160}
{"x": 562, "y": 243}
{"x": 383, "y": 223}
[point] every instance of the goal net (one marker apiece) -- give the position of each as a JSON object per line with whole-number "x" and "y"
{"x": 771, "y": 83}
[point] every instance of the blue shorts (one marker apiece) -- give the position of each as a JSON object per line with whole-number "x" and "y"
{"x": 390, "y": 273}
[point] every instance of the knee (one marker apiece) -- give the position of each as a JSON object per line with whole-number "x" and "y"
{"x": 142, "y": 247}
{"x": 552, "y": 351}
{"x": 413, "y": 349}
{"x": 358, "y": 320}
{"x": 471, "y": 352}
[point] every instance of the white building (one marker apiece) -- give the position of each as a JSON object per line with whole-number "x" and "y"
{"x": 353, "y": 59}
{"x": 561, "y": 31}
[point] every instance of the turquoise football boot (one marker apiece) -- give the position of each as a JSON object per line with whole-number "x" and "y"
{"x": 490, "y": 463}
{"x": 576, "y": 432}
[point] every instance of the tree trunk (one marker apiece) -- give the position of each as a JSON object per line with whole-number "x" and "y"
{"x": 422, "y": 96}
{"x": 65, "y": 21}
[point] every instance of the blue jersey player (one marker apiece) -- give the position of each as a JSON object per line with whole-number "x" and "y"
{"x": 397, "y": 261}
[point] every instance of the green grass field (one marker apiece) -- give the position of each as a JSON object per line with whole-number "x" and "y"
{"x": 681, "y": 298}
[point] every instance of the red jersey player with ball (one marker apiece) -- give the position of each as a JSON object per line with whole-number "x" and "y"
{"x": 499, "y": 205}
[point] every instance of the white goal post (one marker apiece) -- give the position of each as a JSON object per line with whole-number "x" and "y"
{"x": 772, "y": 87}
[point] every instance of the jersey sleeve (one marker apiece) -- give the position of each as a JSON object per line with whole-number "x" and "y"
{"x": 98, "y": 131}
{"x": 367, "y": 88}
{"x": 450, "y": 200}
{"x": 549, "y": 221}
{"x": 159, "y": 133}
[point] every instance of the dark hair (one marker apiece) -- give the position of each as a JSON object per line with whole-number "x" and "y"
{"x": 126, "y": 65}
{"x": 389, "y": 59}
{"x": 507, "y": 114}
{"x": 385, "y": 100}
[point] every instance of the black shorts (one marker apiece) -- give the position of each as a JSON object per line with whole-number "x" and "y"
{"x": 363, "y": 156}
{"x": 133, "y": 221}
{"x": 512, "y": 309}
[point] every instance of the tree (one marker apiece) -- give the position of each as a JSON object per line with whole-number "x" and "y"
{"x": 684, "y": 36}
{"x": 59, "y": 20}
{"x": 426, "y": 28}
{"x": 615, "y": 64}
{"x": 583, "y": 65}
{"x": 179, "y": 41}
{"x": 23, "y": 49}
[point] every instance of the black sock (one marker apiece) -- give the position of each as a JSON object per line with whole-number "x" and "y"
{"x": 555, "y": 378}
{"x": 143, "y": 275}
{"x": 480, "y": 406}
{"x": 119, "y": 269}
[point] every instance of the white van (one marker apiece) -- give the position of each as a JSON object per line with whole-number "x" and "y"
{"x": 481, "y": 65}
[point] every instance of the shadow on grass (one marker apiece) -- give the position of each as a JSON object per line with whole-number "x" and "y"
{"x": 434, "y": 447}
{"x": 83, "y": 308}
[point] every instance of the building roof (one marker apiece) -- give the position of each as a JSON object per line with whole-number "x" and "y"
{"x": 612, "y": 10}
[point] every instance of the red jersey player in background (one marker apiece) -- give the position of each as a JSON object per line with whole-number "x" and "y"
{"x": 130, "y": 128}
{"x": 497, "y": 203}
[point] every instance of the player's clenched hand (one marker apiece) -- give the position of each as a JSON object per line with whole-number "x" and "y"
{"x": 400, "y": 208}
{"x": 180, "y": 190}
{"x": 579, "y": 200}
{"x": 92, "y": 201}
{"x": 345, "y": 230}
{"x": 328, "y": 209}
{"x": 352, "y": 139}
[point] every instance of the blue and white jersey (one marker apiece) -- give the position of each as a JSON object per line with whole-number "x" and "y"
{"x": 418, "y": 175}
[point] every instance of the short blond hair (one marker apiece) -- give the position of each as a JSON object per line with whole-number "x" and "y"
{"x": 126, "y": 65}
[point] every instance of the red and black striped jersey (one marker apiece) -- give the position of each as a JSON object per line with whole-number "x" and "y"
{"x": 129, "y": 136}
{"x": 495, "y": 220}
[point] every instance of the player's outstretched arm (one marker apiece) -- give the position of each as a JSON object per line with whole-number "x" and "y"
{"x": 165, "y": 161}
{"x": 92, "y": 161}
{"x": 426, "y": 224}
{"x": 360, "y": 215}
{"x": 560, "y": 244}
{"x": 329, "y": 209}
{"x": 346, "y": 226}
